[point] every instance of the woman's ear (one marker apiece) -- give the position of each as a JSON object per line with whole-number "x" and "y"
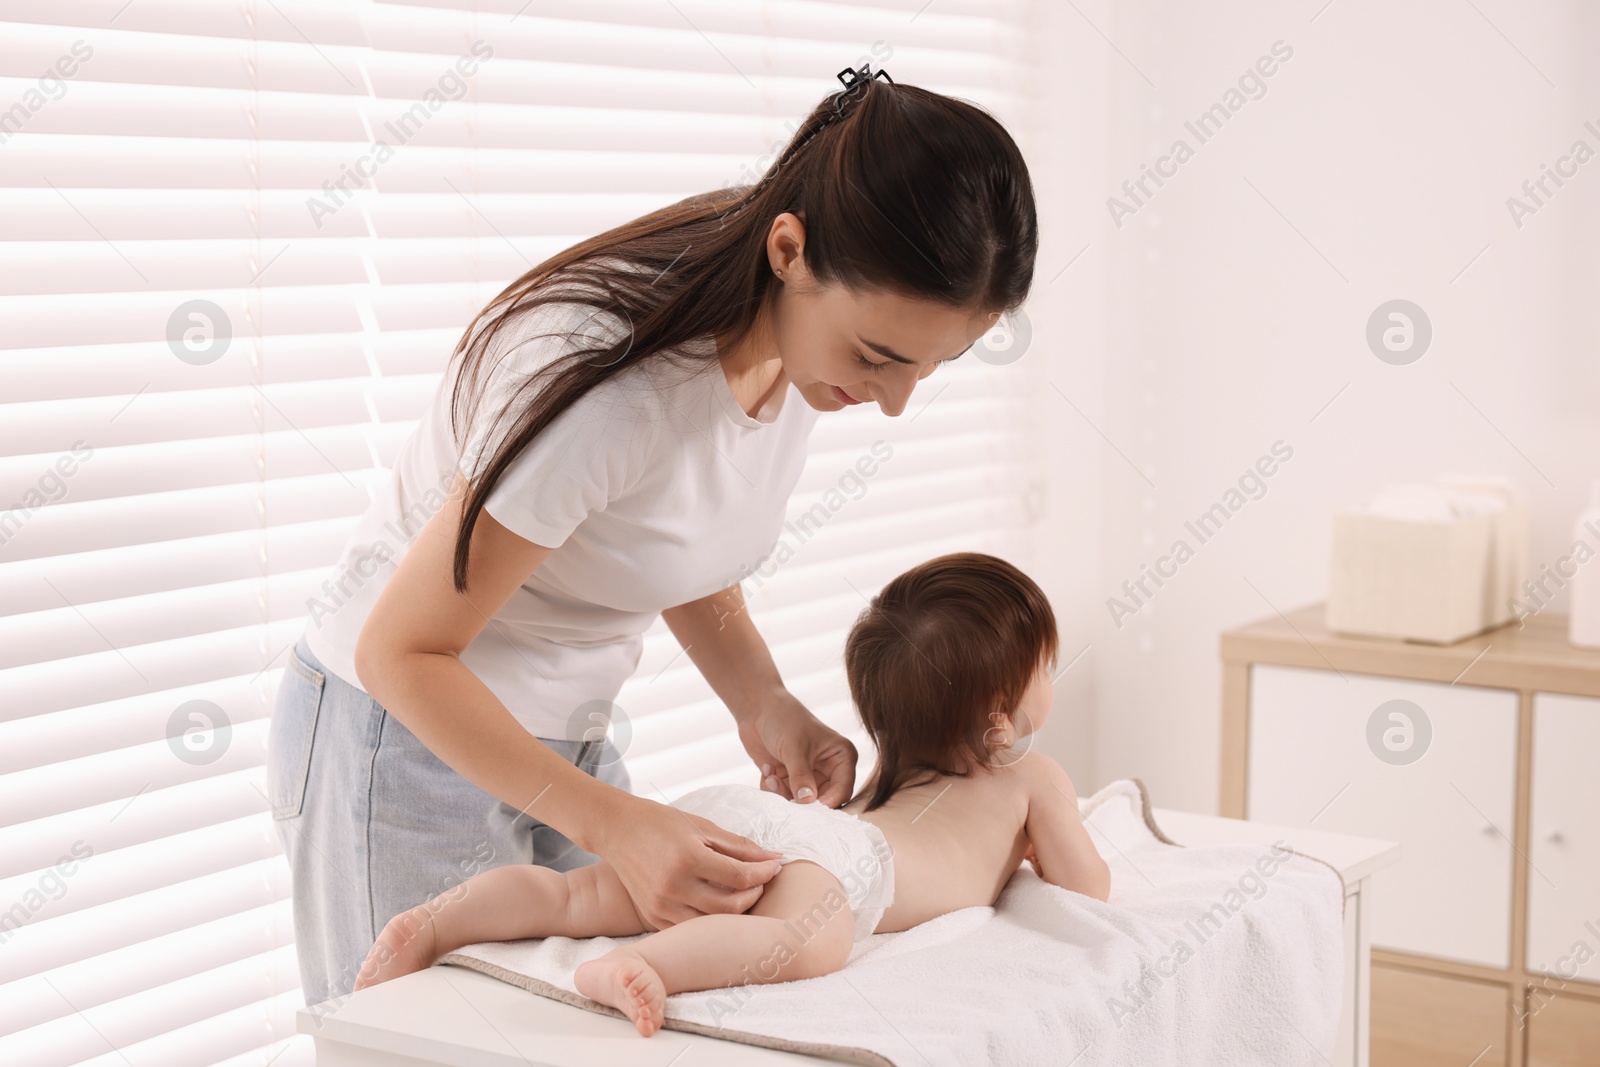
{"x": 786, "y": 242}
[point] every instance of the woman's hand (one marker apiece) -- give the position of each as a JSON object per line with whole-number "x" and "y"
{"x": 677, "y": 866}
{"x": 801, "y": 758}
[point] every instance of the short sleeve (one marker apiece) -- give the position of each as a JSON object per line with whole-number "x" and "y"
{"x": 578, "y": 463}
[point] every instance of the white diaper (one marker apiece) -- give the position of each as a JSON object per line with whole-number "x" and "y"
{"x": 847, "y": 846}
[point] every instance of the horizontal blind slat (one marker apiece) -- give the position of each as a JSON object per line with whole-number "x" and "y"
{"x": 247, "y": 936}
{"x": 129, "y": 521}
{"x": 27, "y": 848}
{"x": 134, "y": 918}
{"x": 224, "y": 1023}
{"x": 31, "y": 1002}
{"x": 129, "y": 434}
{"x": 300, "y": 550}
{"x": 212, "y": 661}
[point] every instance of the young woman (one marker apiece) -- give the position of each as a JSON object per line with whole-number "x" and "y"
{"x": 573, "y": 484}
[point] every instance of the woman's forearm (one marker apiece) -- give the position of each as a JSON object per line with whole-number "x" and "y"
{"x": 724, "y": 644}
{"x": 458, "y": 717}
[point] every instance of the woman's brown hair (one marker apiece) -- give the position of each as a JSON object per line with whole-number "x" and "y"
{"x": 900, "y": 190}
{"x": 936, "y": 651}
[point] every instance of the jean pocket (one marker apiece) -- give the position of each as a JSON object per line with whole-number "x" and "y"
{"x": 293, "y": 728}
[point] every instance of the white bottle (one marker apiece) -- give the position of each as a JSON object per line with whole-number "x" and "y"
{"x": 1584, "y": 621}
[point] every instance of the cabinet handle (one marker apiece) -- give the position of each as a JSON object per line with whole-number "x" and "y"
{"x": 1554, "y": 836}
{"x": 1487, "y": 828}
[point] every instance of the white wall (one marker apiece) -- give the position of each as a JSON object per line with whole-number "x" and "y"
{"x": 1065, "y": 139}
{"x": 1376, "y": 166}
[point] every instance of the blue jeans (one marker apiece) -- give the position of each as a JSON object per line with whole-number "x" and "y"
{"x": 374, "y": 823}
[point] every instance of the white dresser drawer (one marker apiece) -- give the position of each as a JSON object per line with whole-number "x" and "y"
{"x": 1564, "y": 839}
{"x": 1451, "y": 808}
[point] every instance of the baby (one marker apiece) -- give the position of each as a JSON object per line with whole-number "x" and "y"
{"x": 949, "y": 668}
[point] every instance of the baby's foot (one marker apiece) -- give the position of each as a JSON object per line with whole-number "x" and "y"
{"x": 622, "y": 979}
{"x": 406, "y": 944}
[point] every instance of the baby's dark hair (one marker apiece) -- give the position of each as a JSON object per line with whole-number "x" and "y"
{"x": 938, "y": 649}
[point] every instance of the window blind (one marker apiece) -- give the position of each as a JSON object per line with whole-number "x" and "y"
{"x": 238, "y": 241}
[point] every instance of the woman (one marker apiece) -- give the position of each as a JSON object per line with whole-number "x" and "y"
{"x": 491, "y": 603}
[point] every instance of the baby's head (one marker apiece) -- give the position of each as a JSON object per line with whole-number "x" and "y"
{"x": 948, "y": 666}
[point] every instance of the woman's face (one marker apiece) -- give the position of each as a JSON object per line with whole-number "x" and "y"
{"x": 841, "y": 347}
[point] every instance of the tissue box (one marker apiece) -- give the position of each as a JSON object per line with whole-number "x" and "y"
{"x": 1508, "y": 553}
{"x": 1414, "y": 580}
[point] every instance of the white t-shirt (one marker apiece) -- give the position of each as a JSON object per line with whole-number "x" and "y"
{"x": 657, "y": 488}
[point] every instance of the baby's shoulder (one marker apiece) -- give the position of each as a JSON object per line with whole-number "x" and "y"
{"x": 1012, "y": 780}
{"x": 1038, "y": 774}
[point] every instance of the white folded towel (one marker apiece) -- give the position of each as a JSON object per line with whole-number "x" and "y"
{"x": 1048, "y": 975}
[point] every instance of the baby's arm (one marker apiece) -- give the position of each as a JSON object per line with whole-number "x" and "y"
{"x": 1063, "y": 853}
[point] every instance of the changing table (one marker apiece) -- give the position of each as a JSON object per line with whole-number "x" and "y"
{"x": 464, "y": 1018}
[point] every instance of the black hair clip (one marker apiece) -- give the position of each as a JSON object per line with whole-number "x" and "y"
{"x": 851, "y": 78}
{"x": 856, "y": 77}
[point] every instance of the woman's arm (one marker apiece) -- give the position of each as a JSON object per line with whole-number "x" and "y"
{"x": 801, "y": 758}
{"x": 720, "y": 639}
{"x": 408, "y": 658}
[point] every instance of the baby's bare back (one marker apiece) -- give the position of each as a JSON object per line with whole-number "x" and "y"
{"x": 956, "y": 841}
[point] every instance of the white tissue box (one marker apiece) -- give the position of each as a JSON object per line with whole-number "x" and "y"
{"x": 1414, "y": 580}
{"x": 1508, "y": 550}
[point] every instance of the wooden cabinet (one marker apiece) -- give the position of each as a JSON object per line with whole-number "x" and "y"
{"x": 1423, "y": 1019}
{"x": 1564, "y": 1032}
{"x": 1481, "y": 758}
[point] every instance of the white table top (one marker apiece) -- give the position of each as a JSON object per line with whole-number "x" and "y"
{"x": 457, "y": 1016}
{"x": 1353, "y": 857}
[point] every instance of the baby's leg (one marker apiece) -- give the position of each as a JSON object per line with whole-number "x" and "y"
{"x": 503, "y": 904}
{"x": 801, "y": 927}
